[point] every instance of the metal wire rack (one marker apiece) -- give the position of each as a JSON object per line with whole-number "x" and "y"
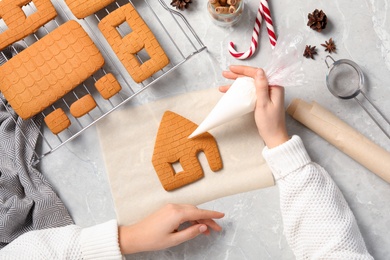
{"x": 175, "y": 35}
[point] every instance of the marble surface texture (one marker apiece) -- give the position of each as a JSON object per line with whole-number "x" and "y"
{"x": 252, "y": 227}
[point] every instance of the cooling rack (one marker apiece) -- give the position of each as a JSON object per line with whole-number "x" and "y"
{"x": 172, "y": 30}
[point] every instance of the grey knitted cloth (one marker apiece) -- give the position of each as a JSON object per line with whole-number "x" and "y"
{"x": 27, "y": 200}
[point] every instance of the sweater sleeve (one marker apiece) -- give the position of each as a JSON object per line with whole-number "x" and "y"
{"x": 70, "y": 242}
{"x": 318, "y": 223}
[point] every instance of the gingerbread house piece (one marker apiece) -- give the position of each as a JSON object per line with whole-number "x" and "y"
{"x": 18, "y": 23}
{"x": 173, "y": 146}
{"x": 49, "y": 69}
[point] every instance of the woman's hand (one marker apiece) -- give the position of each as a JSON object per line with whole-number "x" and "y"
{"x": 269, "y": 111}
{"x": 160, "y": 230}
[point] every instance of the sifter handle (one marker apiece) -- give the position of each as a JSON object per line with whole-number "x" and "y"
{"x": 372, "y": 117}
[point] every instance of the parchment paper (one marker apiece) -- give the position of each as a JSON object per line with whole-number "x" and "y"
{"x": 341, "y": 135}
{"x": 127, "y": 139}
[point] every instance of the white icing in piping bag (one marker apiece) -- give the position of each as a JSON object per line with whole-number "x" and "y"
{"x": 239, "y": 100}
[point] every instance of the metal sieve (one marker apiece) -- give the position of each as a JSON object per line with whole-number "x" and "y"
{"x": 345, "y": 80}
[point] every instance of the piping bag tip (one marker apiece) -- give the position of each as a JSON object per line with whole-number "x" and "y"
{"x": 240, "y": 99}
{"x": 192, "y": 135}
{"x": 198, "y": 131}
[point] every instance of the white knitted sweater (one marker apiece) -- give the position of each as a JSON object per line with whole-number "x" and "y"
{"x": 70, "y": 242}
{"x": 318, "y": 223}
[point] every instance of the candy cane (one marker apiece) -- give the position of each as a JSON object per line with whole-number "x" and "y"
{"x": 262, "y": 11}
{"x": 255, "y": 37}
{"x": 268, "y": 20}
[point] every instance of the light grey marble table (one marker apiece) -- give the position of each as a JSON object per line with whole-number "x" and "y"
{"x": 252, "y": 227}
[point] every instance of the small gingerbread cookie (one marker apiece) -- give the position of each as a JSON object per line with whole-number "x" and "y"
{"x": 84, "y": 8}
{"x": 19, "y": 24}
{"x": 49, "y": 69}
{"x": 172, "y": 145}
{"x": 57, "y": 121}
{"x": 82, "y": 106}
{"x": 108, "y": 86}
{"x": 126, "y": 48}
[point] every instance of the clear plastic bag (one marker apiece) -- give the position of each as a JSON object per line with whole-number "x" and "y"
{"x": 285, "y": 66}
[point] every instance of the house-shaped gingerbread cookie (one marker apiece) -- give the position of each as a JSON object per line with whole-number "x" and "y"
{"x": 173, "y": 146}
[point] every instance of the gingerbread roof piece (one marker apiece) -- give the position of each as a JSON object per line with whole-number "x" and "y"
{"x": 172, "y": 146}
{"x": 49, "y": 69}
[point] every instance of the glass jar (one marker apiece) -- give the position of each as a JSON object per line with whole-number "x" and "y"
{"x": 226, "y": 19}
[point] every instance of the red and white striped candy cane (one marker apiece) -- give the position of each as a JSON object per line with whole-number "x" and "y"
{"x": 268, "y": 21}
{"x": 262, "y": 11}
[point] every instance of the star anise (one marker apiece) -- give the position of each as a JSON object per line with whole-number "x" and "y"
{"x": 310, "y": 51}
{"x": 317, "y": 20}
{"x": 330, "y": 46}
{"x": 181, "y": 4}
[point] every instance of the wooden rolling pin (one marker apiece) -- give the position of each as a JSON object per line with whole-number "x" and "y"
{"x": 342, "y": 136}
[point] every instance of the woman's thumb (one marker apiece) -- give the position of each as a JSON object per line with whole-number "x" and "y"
{"x": 261, "y": 84}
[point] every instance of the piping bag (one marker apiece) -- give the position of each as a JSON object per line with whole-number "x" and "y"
{"x": 239, "y": 100}
{"x": 284, "y": 69}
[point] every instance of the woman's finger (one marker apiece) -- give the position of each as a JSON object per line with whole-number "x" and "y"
{"x": 210, "y": 223}
{"x": 187, "y": 234}
{"x": 243, "y": 70}
{"x": 230, "y": 75}
{"x": 262, "y": 89}
{"x": 225, "y": 88}
{"x": 191, "y": 213}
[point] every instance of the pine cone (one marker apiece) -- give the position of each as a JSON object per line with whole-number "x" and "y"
{"x": 181, "y": 4}
{"x": 317, "y": 20}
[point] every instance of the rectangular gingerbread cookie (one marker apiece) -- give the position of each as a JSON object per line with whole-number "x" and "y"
{"x": 57, "y": 121}
{"x": 49, "y": 69}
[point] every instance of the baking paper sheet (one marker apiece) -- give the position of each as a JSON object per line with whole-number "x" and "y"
{"x": 127, "y": 139}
